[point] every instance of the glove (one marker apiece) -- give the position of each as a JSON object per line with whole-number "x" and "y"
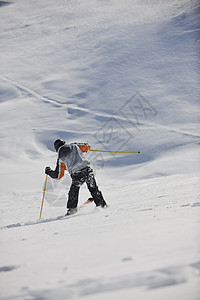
{"x": 47, "y": 170}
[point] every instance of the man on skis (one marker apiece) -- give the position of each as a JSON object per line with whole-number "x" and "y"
{"x": 70, "y": 157}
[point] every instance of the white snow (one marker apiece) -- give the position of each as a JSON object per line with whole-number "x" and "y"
{"x": 120, "y": 75}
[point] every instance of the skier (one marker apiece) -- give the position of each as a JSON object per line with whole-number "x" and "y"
{"x": 70, "y": 157}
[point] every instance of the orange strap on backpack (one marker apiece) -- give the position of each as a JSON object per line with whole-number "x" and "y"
{"x": 62, "y": 170}
{"x": 84, "y": 147}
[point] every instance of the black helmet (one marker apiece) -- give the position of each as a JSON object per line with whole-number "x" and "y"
{"x": 58, "y": 143}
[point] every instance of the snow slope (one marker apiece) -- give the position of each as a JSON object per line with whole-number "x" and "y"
{"x": 121, "y": 75}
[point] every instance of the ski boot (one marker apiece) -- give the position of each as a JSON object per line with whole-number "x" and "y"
{"x": 102, "y": 204}
{"x": 71, "y": 211}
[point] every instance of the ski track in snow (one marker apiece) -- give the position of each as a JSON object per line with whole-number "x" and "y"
{"x": 156, "y": 279}
{"x": 69, "y": 106}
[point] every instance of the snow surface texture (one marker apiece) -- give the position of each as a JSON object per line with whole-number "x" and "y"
{"x": 121, "y": 75}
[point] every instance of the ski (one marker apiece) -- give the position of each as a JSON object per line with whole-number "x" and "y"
{"x": 61, "y": 217}
{"x": 89, "y": 200}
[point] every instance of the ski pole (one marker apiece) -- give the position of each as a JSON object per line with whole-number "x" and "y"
{"x": 137, "y": 152}
{"x": 45, "y": 184}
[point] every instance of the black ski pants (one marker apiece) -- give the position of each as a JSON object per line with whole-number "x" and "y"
{"x": 78, "y": 178}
